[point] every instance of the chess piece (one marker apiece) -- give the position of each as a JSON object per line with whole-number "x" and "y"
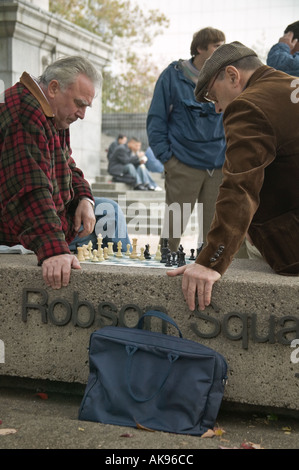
{"x": 142, "y": 257}
{"x": 174, "y": 258}
{"x": 134, "y": 255}
{"x": 85, "y": 252}
{"x": 168, "y": 262}
{"x": 164, "y": 251}
{"x": 100, "y": 241}
{"x": 128, "y": 252}
{"x": 110, "y": 249}
{"x": 106, "y": 256}
{"x": 158, "y": 253}
{"x": 89, "y": 247}
{"x": 181, "y": 258}
{"x": 95, "y": 256}
{"x": 119, "y": 247}
{"x": 192, "y": 257}
{"x": 147, "y": 254}
{"x": 100, "y": 254}
{"x": 80, "y": 256}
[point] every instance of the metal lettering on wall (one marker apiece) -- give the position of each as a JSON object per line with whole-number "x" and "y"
{"x": 106, "y": 313}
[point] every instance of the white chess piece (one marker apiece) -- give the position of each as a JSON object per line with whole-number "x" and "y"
{"x": 119, "y": 247}
{"x": 158, "y": 256}
{"x": 80, "y": 256}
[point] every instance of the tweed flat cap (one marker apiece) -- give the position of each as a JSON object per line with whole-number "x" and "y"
{"x": 224, "y": 55}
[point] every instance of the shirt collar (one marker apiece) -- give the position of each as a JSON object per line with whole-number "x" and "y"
{"x": 31, "y": 84}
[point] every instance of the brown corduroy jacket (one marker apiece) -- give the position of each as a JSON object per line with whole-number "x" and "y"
{"x": 260, "y": 189}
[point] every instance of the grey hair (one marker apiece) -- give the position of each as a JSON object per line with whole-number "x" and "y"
{"x": 66, "y": 70}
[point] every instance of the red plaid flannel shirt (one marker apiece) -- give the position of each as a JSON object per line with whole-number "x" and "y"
{"x": 40, "y": 185}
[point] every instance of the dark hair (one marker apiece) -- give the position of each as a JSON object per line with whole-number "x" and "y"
{"x": 294, "y": 28}
{"x": 204, "y": 37}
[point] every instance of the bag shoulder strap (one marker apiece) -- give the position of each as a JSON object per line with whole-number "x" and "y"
{"x": 162, "y": 316}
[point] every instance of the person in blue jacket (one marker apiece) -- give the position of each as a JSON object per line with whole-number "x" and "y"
{"x": 284, "y": 55}
{"x": 188, "y": 138}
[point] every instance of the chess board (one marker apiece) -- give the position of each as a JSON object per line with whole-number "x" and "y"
{"x": 136, "y": 263}
{"x": 137, "y": 258}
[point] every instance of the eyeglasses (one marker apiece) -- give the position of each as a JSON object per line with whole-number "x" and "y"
{"x": 206, "y": 95}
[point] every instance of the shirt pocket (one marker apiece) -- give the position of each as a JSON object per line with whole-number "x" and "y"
{"x": 198, "y": 120}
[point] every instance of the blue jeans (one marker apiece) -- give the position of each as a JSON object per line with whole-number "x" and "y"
{"x": 140, "y": 174}
{"x": 110, "y": 223}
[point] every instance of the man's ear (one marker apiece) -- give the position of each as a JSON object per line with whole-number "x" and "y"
{"x": 53, "y": 88}
{"x": 233, "y": 74}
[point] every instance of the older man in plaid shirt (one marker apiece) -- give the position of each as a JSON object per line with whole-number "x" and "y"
{"x": 44, "y": 198}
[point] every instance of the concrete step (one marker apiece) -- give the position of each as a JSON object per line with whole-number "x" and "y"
{"x": 105, "y": 176}
{"x": 111, "y": 186}
{"x": 131, "y": 196}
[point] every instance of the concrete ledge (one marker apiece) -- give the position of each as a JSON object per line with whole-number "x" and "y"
{"x": 44, "y": 334}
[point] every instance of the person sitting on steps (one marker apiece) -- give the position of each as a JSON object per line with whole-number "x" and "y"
{"x": 127, "y": 164}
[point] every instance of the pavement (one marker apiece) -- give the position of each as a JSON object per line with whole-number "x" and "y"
{"x": 37, "y": 416}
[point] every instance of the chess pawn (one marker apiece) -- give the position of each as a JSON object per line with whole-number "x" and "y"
{"x": 128, "y": 252}
{"x": 100, "y": 254}
{"x": 141, "y": 257}
{"x": 106, "y": 256}
{"x": 95, "y": 256}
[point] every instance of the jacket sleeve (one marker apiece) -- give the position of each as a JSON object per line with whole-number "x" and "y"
{"x": 26, "y": 192}
{"x": 121, "y": 156}
{"x": 157, "y": 119}
{"x": 251, "y": 146}
{"x": 280, "y": 58}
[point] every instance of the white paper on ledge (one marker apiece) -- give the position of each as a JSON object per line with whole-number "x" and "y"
{"x": 16, "y": 249}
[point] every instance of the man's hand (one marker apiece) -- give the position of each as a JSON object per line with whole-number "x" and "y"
{"x": 84, "y": 215}
{"x": 288, "y": 39}
{"x": 198, "y": 280}
{"x": 57, "y": 270}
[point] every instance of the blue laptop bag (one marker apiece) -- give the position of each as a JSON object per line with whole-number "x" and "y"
{"x": 154, "y": 380}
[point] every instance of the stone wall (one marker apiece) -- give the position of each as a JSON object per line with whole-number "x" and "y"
{"x": 253, "y": 321}
{"x": 129, "y": 124}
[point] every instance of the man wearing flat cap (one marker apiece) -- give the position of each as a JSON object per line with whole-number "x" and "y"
{"x": 259, "y": 195}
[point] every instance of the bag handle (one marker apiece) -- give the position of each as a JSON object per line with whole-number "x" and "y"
{"x": 162, "y": 316}
{"x": 131, "y": 350}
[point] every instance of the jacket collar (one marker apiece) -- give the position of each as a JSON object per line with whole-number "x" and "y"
{"x": 260, "y": 72}
{"x": 36, "y": 91}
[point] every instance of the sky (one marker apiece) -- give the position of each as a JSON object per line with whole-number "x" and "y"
{"x": 256, "y": 23}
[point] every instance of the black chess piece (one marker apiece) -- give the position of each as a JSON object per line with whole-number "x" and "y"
{"x": 192, "y": 257}
{"x": 168, "y": 262}
{"x": 164, "y": 251}
{"x": 146, "y": 252}
{"x": 181, "y": 259}
{"x": 174, "y": 258}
